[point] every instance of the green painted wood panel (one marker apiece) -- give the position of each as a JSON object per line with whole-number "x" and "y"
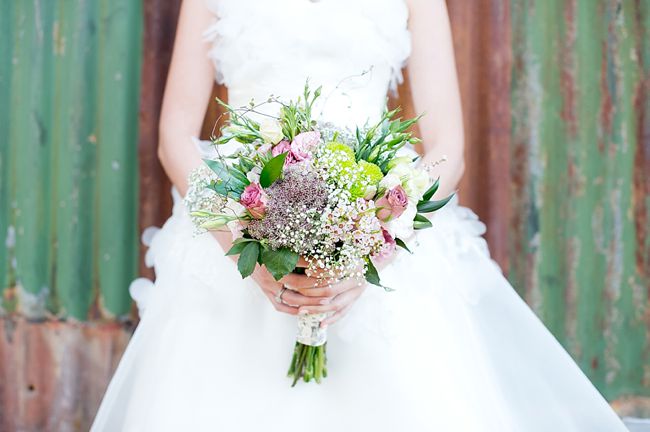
{"x": 579, "y": 250}
{"x": 69, "y": 114}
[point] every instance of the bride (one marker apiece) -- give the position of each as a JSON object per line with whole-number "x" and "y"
{"x": 453, "y": 348}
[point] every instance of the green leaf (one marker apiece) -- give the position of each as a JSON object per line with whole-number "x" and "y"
{"x": 372, "y": 275}
{"x": 248, "y": 259}
{"x": 272, "y": 170}
{"x": 239, "y": 245}
{"x": 401, "y": 244}
{"x": 227, "y": 173}
{"x": 279, "y": 262}
{"x": 432, "y": 190}
{"x": 431, "y": 206}
{"x": 224, "y": 190}
{"x": 421, "y": 222}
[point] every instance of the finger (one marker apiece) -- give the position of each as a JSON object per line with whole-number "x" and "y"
{"x": 339, "y": 302}
{"x": 331, "y": 290}
{"x": 281, "y": 307}
{"x": 337, "y": 316}
{"x": 296, "y": 282}
{"x": 296, "y": 299}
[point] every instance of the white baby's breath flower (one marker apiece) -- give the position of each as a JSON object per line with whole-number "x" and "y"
{"x": 271, "y": 131}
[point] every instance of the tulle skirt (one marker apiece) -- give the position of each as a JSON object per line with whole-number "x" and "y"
{"x": 453, "y": 348}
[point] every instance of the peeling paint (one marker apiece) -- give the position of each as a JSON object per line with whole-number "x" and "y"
{"x": 32, "y": 306}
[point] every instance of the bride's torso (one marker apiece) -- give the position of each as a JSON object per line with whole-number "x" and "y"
{"x": 354, "y": 49}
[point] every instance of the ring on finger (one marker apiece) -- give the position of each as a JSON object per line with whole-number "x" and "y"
{"x": 278, "y": 296}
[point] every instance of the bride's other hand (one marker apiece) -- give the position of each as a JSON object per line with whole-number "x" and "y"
{"x": 343, "y": 294}
{"x": 291, "y": 299}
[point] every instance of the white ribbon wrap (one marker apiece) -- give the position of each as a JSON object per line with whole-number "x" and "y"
{"x": 309, "y": 330}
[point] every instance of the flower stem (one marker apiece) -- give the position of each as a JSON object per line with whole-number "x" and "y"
{"x": 308, "y": 362}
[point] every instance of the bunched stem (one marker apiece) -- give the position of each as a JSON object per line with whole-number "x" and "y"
{"x": 308, "y": 362}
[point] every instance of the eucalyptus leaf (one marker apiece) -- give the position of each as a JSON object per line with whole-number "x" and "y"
{"x": 401, "y": 244}
{"x": 272, "y": 170}
{"x": 225, "y": 190}
{"x": 432, "y": 190}
{"x": 279, "y": 262}
{"x": 248, "y": 259}
{"x": 372, "y": 275}
{"x": 431, "y": 206}
{"x": 229, "y": 175}
{"x": 421, "y": 222}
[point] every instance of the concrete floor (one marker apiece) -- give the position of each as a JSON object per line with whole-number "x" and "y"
{"x": 637, "y": 425}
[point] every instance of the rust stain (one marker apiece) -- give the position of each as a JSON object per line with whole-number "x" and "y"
{"x": 44, "y": 370}
{"x": 606, "y": 106}
{"x": 567, "y": 73}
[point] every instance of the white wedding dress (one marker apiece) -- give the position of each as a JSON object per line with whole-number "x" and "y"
{"x": 453, "y": 348}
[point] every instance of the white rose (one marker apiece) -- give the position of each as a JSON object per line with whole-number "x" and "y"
{"x": 401, "y": 171}
{"x": 390, "y": 181}
{"x": 401, "y": 160}
{"x": 271, "y": 131}
{"x": 233, "y": 208}
{"x": 402, "y": 227}
{"x": 416, "y": 185}
{"x": 253, "y": 175}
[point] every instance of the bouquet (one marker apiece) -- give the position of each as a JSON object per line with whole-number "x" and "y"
{"x": 340, "y": 198}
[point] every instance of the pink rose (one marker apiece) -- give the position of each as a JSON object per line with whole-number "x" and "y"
{"x": 295, "y": 152}
{"x": 281, "y": 147}
{"x": 392, "y": 204}
{"x": 305, "y": 142}
{"x": 297, "y": 155}
{"x": 264, "y": 148}
{"x": 254, "y": 199}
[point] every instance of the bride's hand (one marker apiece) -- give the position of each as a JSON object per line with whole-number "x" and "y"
{"x": 291, "y": 298}
{"x": 288, "y": 289}
{"x": 343, "y": 294}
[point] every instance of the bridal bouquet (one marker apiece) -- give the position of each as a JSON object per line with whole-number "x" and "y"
{"x": 341, "y": 199}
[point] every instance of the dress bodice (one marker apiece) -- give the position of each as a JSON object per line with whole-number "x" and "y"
{"x": 355, "y": 49}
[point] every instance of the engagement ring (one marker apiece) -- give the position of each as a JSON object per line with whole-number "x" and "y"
{"x": 278, "y": 296}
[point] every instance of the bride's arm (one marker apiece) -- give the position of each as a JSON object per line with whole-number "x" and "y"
{"x": 434, "y": 87}
{"x": 187, "y": 94}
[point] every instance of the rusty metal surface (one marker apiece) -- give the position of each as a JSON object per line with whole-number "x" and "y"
{"x": 578, "y": 246}
{"x": 68, "y": 202}
{"x": 53, "y": 374}
{"x": 160, "y": 18}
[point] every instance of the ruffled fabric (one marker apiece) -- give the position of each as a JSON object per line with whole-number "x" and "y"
{"x": 355, "y": 49}
{"x": 452, "y": 348}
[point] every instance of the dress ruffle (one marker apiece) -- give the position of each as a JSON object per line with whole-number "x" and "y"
{"x": 246, "y": 40}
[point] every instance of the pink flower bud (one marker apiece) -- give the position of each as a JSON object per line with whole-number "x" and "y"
{"x": 254, "y": 199}
{"x": 392, "y": 204}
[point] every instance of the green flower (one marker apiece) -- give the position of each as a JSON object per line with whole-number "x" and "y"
{"x": 337, "y": 147}
{"x": 371, "y": 172}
